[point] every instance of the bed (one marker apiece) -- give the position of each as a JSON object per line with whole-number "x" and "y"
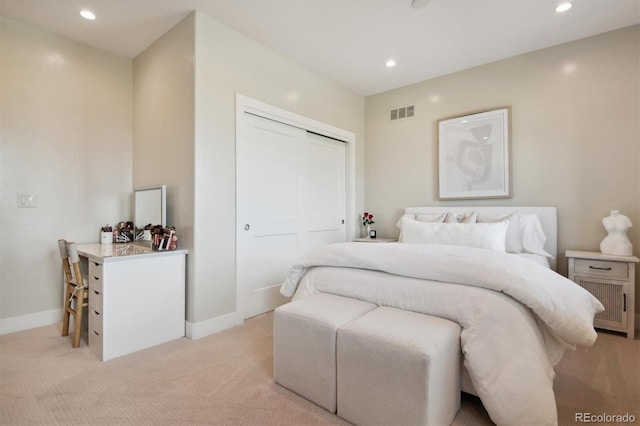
{"x": 494, "y": 277}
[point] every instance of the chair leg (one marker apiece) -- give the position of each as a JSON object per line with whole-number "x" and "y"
{"x": 78, "y": 318}
{"x": 65, "y": 312}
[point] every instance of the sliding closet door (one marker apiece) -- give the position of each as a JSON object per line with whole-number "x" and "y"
{"x": 290, "y": 198}
{"x": 322, "y": 195}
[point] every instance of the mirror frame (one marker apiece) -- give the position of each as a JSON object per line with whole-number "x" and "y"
{"x": 163, "y": 204}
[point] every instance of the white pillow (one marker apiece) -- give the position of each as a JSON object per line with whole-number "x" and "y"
{"x": 533, "y": 237}
{"x": 461, "y": 218}
{"x": 431, "y": 217}
{"x": 408, "y": 216}
{"x": 513, "y": 243}
{"x": 482, "y": 235}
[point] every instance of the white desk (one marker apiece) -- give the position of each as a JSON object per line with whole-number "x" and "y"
{"x": 136, "y": 297}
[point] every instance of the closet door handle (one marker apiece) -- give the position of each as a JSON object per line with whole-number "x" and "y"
{"x": 600, "y": 269}
{"x": 247, "y": 227}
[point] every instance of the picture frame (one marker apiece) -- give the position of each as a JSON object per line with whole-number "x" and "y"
{"x": 474, "y": 155}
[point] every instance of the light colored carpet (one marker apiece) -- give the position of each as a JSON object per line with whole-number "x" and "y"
{"x": 227, "y": 379}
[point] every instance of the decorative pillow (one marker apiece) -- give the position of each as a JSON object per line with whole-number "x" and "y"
{"x": 461, "y": 217}
{"x": 432, "y": 217}
{"x": 482, "y": 235}
{"x": 533, "y": 237}
{"x": 408, "y": 216}
{"x": 513, "y": 242}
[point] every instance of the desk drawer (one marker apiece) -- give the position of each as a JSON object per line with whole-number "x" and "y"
{"x": 95, "y": 299}
{"x": 95, "y": 269}
{"x": 95, "y": 320}
{"x": 95, "y": 283}
{"x": 96, "y": 342}
{"x": 601, "y": 268}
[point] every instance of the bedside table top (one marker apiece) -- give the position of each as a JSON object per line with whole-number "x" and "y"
{"x": 375, "y": 240}
{"x": 596, "y": 255}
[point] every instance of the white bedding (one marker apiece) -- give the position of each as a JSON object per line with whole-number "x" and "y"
{"x": 510, "y": 346}
{"x": 536, "y": 258}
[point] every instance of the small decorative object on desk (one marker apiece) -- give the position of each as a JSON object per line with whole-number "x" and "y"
{"x": 164, "y": 238}
{"x": 367, "y": 221}
{"x": 124, "y": 232}
{"x": 106, "y": 235}
{"x": 616, "y": 242}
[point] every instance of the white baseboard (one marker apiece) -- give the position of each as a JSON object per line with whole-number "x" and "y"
{"x": 193, "y": 330}
{"x": 25, "y": 322}
{"x": 211, "y": 326}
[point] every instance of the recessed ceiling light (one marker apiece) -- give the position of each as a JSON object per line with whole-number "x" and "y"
{"x": 390, "y": 63}
{"x": 563, "y": 7}
{"x": 87, "y": 14}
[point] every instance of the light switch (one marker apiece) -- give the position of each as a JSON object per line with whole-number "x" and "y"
{"x": 27, "y": 200}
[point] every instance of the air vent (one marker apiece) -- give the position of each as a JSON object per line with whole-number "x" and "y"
{"x": 402, "y": 113}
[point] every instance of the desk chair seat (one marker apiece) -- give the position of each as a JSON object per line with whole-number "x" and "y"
{"x": 76, "y": 293}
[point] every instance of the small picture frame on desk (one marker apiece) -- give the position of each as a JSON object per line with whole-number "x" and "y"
{"x": 372, "y": 233}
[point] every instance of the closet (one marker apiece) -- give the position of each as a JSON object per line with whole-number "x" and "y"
{"x": 291, "y": 197}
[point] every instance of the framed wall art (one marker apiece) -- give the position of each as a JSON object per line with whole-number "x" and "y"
{"x": 474, "y": 153}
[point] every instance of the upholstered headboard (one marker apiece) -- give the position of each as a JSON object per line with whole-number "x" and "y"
{"x": 547, "y": 215}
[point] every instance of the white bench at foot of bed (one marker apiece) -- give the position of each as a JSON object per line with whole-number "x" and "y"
{"x": 304, "y": 344}
{"x": 376, "y": 365}
{"x": 398, "y": 367}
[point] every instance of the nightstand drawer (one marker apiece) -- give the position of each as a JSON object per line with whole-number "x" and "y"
{"x": 601, "y": 268}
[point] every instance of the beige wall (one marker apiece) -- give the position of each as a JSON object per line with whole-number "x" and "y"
{"x": 65, "y": 135}
{"x": 575, "y": 136}
{"x": 163, "y": 125}
{"x": 227, "y": 63}
{"x": 184, "y": 110}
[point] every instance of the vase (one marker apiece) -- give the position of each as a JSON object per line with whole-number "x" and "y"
{"x": 616, "y": 242}
{"x": 367, "y": 231}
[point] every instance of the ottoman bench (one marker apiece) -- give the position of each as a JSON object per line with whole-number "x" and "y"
{"x": 397, "y": 367}
{"x": 304, "y": 344}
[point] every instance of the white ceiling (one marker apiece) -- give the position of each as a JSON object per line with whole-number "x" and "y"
{"x": 346, "y": 40}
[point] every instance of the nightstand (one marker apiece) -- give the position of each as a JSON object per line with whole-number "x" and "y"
{"x": 375, "y": 240}
{"x": 611, "y": 279}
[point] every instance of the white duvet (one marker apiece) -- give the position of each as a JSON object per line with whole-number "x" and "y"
{"x": 517, "y": 317}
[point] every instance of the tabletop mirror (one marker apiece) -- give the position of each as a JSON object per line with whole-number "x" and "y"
{"x": 149, "y": 207}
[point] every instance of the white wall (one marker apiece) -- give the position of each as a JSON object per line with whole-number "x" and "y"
{"x": 575, "y": 136}
{"x": 187, "y": 114}
{"x": 163, "y": 125}
{"x": 228, "y": 62}
{"x": 65, "y": 135}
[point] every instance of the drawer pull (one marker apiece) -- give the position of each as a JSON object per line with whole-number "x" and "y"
{"x": 95, "y": 291}
{"x": 95, "y": 312}
{"x": 600, "y": 269}
{"x": 95, "y": 332}
{"x": 624, "y": 298}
